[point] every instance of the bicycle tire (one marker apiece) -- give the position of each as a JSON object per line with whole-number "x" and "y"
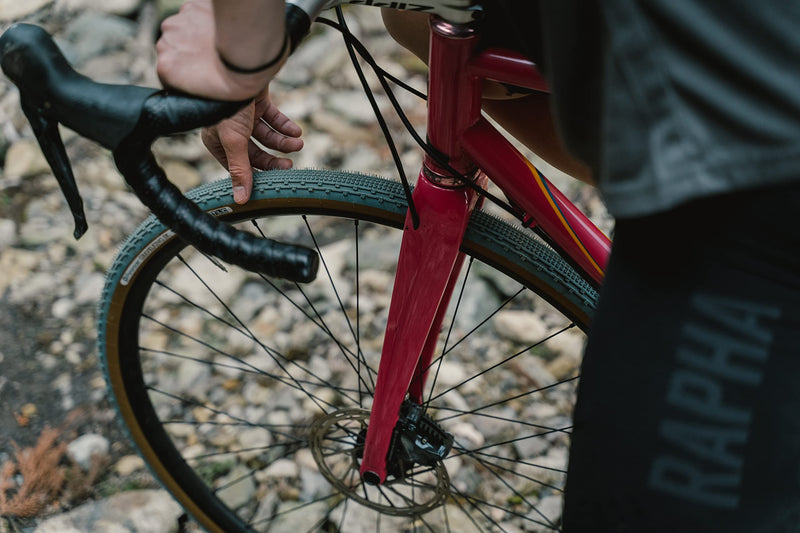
{"x": 149, "y": 336}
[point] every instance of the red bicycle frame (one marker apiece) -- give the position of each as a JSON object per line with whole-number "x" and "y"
{"x": 430, "y": 259}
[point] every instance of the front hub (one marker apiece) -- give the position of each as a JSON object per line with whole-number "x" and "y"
{"x": 417, "y": 480}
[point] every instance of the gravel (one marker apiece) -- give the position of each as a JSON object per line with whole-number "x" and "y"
{"x": 50, "y": 283}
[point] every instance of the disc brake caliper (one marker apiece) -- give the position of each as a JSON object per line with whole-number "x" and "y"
{"x": 416, "y": 439}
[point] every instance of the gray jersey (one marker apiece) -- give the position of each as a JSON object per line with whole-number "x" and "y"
{"x": 676, "y": 99}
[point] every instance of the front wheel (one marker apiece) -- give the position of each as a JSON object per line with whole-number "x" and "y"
{"x": 249, "y": 397}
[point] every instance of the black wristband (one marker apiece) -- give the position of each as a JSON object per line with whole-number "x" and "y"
{"x": 271, "y": 63}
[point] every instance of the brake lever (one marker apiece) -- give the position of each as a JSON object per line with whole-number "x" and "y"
{"x": 49, "y": 139}
{"x": 127, "y": 119}
{"x": 34, "y": 75}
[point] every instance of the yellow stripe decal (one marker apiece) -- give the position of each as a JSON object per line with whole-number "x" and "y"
{"x": 557, "y": 210}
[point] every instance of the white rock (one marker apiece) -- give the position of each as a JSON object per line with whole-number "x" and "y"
{"x": 128, "y": 465}
{"x": 115, "y": 7}
{"x": 254, "y": 441}
{"x": 24, "y": 157}
{"x": 192, "y": 376}
{"x": 520, "y": 326}
{"x": 138, "y": 511}
{"x": 82, "y": 449}
{"x": 531, "y": 447}
{"x": 15, "y": 9}
{"x": 184, "y": 176}
{"x": 547, "y": 510}
{"x": 282, "y": 468}
{"x": 239, "y": 487}
{"x": 569, "y": 343}
{"x": 62, "y": 308}
{"x": 352, "y": 105}
{"x": 360, "y": 519}
{"x": 467, "y": 435}
{"x": 8, "y": 231}
{"x": 89, "y": 288}
{"x": 293, "y": 516}
{"x": 449, "y": 374}
{"x": 16, "y": 265}
{"x": 256, "y": 394}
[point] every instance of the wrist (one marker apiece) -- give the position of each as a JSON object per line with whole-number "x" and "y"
{"x": 249, "y": 33}
{"x": 273, "y": 63}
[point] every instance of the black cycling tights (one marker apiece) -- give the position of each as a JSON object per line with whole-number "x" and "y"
{"x": 688, "y": 413}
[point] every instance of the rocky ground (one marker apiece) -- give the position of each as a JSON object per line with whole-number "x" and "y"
{"x": 50, "y": 283}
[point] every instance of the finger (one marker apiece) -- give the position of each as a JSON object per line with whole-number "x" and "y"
{"x": 266, "y": 161}
{"x": 274, "y": 140}
{"x": 210, "y": 139}
{"x": 237, "y": 156}
{"x": 280, "y": 122}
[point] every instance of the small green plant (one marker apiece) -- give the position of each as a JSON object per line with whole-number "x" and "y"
{"x": 212, "y": 470}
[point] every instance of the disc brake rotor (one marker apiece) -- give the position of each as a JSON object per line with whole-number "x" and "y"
{"x": 337, "y": 443}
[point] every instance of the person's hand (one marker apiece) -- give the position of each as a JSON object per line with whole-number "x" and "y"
{"x": 231, "y": 142}
{"x": 188, "y": 59}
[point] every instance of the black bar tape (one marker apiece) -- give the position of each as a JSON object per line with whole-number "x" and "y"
{"x": 205, "y": 232}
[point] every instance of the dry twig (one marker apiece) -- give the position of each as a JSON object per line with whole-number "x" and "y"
{"x": 42, "y": 476}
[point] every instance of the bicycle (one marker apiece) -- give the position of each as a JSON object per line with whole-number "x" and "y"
{"x": 394, "y": 446}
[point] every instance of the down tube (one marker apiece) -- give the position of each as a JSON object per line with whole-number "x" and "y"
{"x": 569, "y": 229}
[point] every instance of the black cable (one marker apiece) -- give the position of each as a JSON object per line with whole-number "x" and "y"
{"x": 379, "y": 117}
{"x": 382, "y": 75}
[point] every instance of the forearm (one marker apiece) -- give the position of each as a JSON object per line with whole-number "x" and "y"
{"x": 249, "y": 33}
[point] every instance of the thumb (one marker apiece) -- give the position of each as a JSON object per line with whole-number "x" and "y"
{"x": 234, "y": 136}
{"x": 238, "y": 163}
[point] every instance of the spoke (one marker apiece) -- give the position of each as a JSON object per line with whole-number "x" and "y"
{"x": 271, "y": 446}
{"x": 446, "y": 518}
{"x": 359, "y": 354}
{"x": 510, "y": 441}
{"x": 353, "y": 472}
{"x": 344, "y": 514}
{"x": 440, "y": 359}
{"x": 515, "y": 492}
{"x": 294, "y": 383}
{"x": 472, "y": 501}
{"x": 269, "y": 351}
{"x": 358, "y": 312}
{"x": 420, "y": 518}
{"x": 233, "y": 482}
{"x": 504, "y": 361}
{"x": 515, "y": 461}
{"x": 484, "y": 321}
{"x": 297, "y": 508}
{"x": 515, "y": 472}
{"x": 341, "y": 346}
{"x": 385, "y": 497}
{"x": 319, "y": 321}
{"x": 200, "y": 307}
{"x": 547, "y": 429}
{"x": 402, "y": 496}
{"x": 258, "y": 372}
{"x": 500, "y": 402}
{"x": 221, "y": 424}
{"x": 345, "y": 350}
{"x": 242, "y": 422}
